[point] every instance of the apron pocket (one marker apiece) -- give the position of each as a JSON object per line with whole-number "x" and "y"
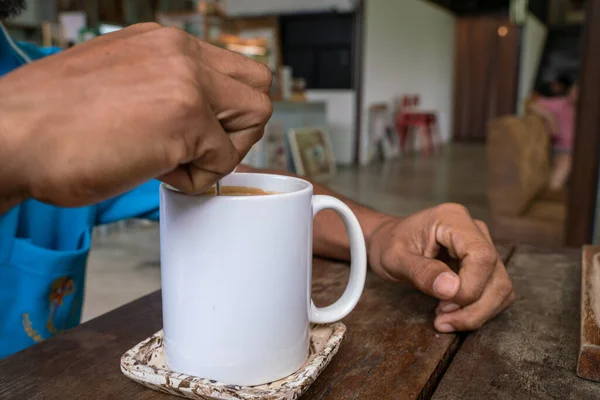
{"x": 42, "y": 292}
{"x": 27, "y": 255}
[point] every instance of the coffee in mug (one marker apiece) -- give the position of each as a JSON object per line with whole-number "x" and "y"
{"x": 237, "y": 191}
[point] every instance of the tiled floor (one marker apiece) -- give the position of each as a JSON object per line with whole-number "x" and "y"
{"x": 410, "y": 184}
{"x": 125, "y": 265}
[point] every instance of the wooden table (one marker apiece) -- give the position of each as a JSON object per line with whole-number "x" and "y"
{"x": 391, "y": 351}
{"x": 530, "y": 351}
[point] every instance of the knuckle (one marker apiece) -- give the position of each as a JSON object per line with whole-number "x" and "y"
{"x": 387, "y": 258}
{"x": 172, "y": 35}
{"x": 186, "y": 96}
{"x": 505, "y": 288}
{"x": 390, "y": 257}
{"x": 480, "y": 224}
{"x": 420, "y": 273}
{"x": 484, "y": 254}
{"x": 391, "y": 268}
{"x": 415, "y": 273}
{"x": 264, "y": 74}
{"x": 170, "y": 42}
{"x": 183, "y": 67}
{"x": 472, "y": 296}
{"x": 453, "y": 208}
{"x": 259, "y": 114}
{"x": 147, "y": 26}
{"x": 473, "y": 322}
{"x": 265, "y": 108}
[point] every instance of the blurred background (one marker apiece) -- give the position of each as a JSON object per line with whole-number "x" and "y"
{"x": 400, "y": 105}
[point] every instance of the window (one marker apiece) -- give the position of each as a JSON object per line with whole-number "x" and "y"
{"x": 318, "y": 48}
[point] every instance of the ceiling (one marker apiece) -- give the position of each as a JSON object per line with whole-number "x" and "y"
{"x": 470, "y": 7}
{"x": 551, "y": 12}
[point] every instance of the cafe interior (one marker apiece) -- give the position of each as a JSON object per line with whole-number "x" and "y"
{"x": 396, "y": 105}
{"x": 399, "y": 105}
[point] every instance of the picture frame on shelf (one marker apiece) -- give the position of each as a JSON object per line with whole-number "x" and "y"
{"x": 312, "y": 153}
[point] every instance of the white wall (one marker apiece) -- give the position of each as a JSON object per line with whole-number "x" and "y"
{"x": 341, "y": 119}
{"x": 409, "y": 48}
{"x": 271, "y": 7}
{"x": 532, "y": 48}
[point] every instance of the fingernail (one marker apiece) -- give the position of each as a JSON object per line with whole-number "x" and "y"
{"x": 445, "y": 328}
{"x": 445, "y": 285}
{"x": 450, "y": 307}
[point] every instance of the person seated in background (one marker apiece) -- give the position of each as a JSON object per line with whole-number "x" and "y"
{"x": 560, "y": 86}
{"x": 86, "y": 136}
{"x": 557, "y": 87}
{"x": 558, "y": 113}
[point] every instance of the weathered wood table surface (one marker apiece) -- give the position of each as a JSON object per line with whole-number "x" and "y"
{"x": 391, "y": 350}
{"x": 530, "y": 351}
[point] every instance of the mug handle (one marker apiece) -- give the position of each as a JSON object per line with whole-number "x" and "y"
{"x": 358, "y": 264}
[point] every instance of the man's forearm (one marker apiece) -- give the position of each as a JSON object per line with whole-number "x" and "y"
{"x": 329, "y": 234}
{"x": 13, "y": 182}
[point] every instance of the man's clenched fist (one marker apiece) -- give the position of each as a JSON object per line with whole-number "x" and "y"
{"x": 145, "y": 102}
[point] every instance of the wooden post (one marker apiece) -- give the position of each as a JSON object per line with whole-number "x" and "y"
{"x": 581, "y": 207}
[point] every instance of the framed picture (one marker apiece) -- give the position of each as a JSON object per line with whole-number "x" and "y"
{"x": 312, "y": 153}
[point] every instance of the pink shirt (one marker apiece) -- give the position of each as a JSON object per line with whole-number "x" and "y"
{"x": 563, "y": 111}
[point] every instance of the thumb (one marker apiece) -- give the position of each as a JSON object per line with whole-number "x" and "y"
{"x": 432, "y": 277}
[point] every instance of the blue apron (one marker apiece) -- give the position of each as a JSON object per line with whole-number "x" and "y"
{"x": 44, "y": 249}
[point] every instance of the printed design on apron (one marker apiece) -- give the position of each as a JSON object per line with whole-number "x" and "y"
{"x": 59, "y": 290}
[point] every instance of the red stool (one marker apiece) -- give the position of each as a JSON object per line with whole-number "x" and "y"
{"x": 408, "y": 117}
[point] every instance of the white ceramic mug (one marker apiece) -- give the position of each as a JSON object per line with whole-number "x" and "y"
{"x": 236, "y": 278}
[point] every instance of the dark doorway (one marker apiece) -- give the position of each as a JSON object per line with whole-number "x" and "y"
{"x": 486, "y": 73}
